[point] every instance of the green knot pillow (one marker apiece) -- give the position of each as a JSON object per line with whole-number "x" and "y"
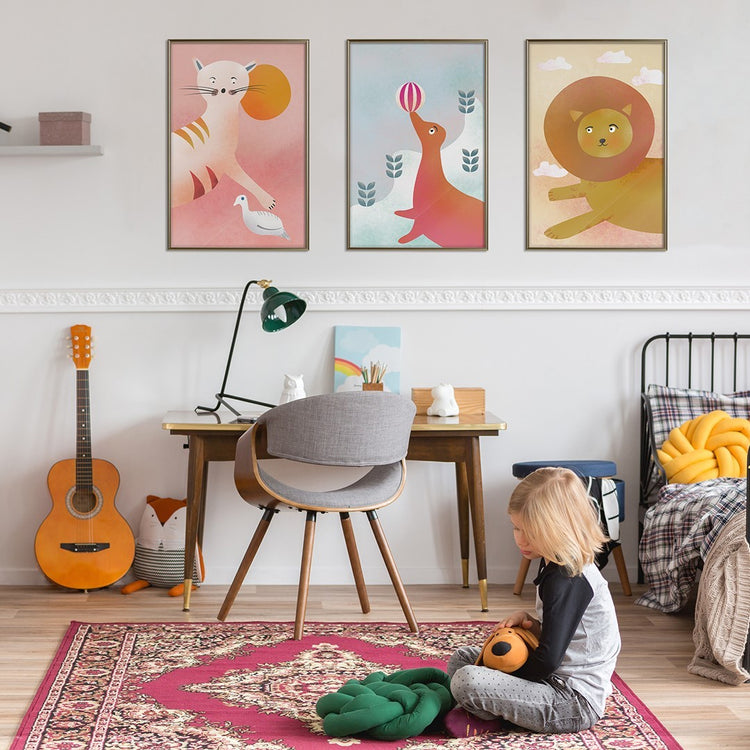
{"x": 387, "y": 707}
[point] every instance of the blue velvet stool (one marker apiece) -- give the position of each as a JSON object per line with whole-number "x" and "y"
{"x": 584, "y": 469}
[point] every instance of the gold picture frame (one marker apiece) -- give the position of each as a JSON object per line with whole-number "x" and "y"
{"x": 390, "y": 144}
{"x": 238, "y": 145}
{"x": 596, "y": 144}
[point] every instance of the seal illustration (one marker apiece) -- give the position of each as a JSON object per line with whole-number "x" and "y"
{"x": 441, "y": 212}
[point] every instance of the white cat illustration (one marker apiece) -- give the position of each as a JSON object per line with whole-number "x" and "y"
{"x": 203, "y": 151}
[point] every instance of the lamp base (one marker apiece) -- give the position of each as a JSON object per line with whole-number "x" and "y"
{"x": 221, "y": 400}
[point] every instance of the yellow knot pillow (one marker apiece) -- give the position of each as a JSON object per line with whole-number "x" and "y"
{"x": 709, "y": 446}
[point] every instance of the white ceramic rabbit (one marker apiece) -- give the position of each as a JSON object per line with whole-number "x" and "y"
{"x": 444, "y": 404}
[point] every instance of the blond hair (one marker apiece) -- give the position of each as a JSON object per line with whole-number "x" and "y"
{"x": 558, "y": 517}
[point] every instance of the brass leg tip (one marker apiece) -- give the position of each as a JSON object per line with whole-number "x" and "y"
{"x": 464, "y": 573}
{"x": 483, "y": 594}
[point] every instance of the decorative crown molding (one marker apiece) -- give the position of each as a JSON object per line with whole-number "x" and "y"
{"x": 211, "y": 299}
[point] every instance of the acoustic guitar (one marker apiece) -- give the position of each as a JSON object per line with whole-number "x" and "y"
{"x": 84, "y": 543}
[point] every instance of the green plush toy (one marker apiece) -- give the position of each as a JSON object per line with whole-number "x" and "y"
{"x": 387, "y": 707}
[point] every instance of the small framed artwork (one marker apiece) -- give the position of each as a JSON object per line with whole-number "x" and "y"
{"x": 359, "y": 350}
{"x": 238, "y": 145}
{"x": 417, "y": 145}
{"x": 596, "y": 144}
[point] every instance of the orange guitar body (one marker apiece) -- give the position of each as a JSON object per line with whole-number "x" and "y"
{"x": 84, "y": 543}
{"x": 70, "y": 542}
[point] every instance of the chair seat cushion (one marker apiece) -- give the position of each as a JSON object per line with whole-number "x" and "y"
{"x": 584, "y": 468}
{"x": 376, "y": 487}
{"x": 387, "y": 707}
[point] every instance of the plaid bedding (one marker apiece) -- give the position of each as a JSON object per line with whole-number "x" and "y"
{"x": 678, "y": 532}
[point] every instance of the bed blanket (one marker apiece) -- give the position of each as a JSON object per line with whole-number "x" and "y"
{"x": 722, "y": 610}
{"x": 678, "y": 531}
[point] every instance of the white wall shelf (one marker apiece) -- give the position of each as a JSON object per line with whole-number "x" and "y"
{"x": 50, "y": 150}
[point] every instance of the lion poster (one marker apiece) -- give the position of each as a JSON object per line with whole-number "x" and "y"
{"x": 596, "y": 118}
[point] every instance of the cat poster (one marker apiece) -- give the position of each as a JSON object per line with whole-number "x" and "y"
{"x": 596, "y": 144}
{"x": 417, "y": 144}
{"x": 238, "y": 130}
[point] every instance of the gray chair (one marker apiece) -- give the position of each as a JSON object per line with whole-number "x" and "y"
{"x": 349, "y": 429}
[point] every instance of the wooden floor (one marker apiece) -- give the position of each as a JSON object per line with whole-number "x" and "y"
{"x": 700, "y": 713}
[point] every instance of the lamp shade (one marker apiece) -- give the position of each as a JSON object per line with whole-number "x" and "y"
{"x": 280, "y": 309}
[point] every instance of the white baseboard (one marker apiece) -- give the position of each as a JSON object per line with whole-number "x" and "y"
{"x": 333, "y": 576}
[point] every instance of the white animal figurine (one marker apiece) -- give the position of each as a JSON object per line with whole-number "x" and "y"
{"x": 260, "y": 222}
{"x": 444, "y": 404}
{"x": 293, "y": 389}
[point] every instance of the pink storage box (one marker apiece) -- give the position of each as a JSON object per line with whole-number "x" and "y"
{"x": 64, "y": 128}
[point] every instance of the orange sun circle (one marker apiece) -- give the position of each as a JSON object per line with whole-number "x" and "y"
{"x": 269, "y": 93}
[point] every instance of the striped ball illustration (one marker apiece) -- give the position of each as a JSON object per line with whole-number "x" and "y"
{"x": 410, "y": 96}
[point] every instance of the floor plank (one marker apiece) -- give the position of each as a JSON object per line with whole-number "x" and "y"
{"x": 701, "y": 714}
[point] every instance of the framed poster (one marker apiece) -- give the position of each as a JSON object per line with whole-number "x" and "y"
{"x": 596, "y": 144}
{"x": 238, "y": 145}
{"x": 417, "y": 144}
{"x": 358, "y": 347}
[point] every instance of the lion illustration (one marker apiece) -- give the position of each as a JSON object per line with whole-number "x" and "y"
{"x": 600, "y": 129}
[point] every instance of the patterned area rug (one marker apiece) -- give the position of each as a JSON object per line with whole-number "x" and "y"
{"x": 233, "y": 686}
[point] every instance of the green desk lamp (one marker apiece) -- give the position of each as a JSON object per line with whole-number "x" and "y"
{"x": 279, "y": 311}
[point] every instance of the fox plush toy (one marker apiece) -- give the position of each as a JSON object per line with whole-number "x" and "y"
{"x": 160, "y": 548}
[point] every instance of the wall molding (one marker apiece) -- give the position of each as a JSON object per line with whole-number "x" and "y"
{"x": 219, "y": 299}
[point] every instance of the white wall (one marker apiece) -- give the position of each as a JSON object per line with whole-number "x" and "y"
{"x": 554, "y": 337}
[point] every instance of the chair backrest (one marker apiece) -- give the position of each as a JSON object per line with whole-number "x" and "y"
{"x": 351, "y": 428}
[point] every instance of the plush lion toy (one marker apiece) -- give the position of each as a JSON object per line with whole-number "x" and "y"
{"x": 507, "y": 649}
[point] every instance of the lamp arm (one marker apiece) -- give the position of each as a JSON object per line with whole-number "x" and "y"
{"x": 220, "y": 395}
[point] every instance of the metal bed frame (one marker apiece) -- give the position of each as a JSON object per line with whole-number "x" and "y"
{"x": 651, "y": 473}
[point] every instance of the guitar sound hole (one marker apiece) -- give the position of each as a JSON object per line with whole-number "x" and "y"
{"x": 84, "y": 503}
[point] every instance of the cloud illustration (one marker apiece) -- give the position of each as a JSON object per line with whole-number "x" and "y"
{"x": 556, "y": 63}
{"x": 649, "y": 76}
{"x": 614, "y": 57}
{"x": 545, "y": 169}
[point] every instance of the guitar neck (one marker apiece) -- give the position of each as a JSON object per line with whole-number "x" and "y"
{"x": 84, "y": 474}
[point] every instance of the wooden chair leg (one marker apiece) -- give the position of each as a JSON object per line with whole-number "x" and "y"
{"x": 521, "y": 577}
{"x": 304, "y": 574}
{"x": 390, "y": 564}
{"x": 622, "y": 570}
{"x": 351, "y": 548}
{"x": 247, "y": 560}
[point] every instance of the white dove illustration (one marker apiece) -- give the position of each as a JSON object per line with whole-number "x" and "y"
{"x": 260, "y": 222}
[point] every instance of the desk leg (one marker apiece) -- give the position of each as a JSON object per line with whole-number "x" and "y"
{"x": 476, "y": 501}
{"x": 462, "y": 495}
{"x": 197, "y": 479}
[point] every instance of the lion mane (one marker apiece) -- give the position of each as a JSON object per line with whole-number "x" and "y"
{"x": 588, "y": 95}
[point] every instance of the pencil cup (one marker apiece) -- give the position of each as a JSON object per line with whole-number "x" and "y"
{"x": 372, "y": 386}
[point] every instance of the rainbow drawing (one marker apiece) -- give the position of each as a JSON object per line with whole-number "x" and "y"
{"x": 346, "y": 367}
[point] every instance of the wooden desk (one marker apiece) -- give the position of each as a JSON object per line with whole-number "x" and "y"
{"x": 213, "y": 437}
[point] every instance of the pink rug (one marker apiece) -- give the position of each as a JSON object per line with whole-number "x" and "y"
{"x": 233, "y": 686}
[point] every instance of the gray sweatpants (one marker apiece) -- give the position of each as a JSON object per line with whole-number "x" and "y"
{"x": 549, "y": 706}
